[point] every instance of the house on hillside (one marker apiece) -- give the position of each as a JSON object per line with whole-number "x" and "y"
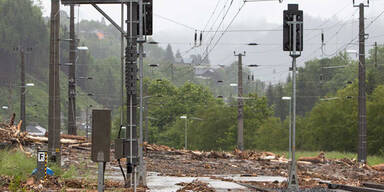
{"x": 207, "y": 72}
{"x": 36, "y": 130}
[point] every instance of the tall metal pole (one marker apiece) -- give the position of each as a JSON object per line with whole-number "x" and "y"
{"x": 240, "y": 125}
{"x": 22, "y": 90}
{"x": 293, "y": 184}
{"x": 54, "y": 147}
{"x": 141, "y": 40}
{"x": 72, "y": 130}
{"x": 290, "y": 129}
{"x": 131, "y": 88}
{"x": 362, "y": 148}
{"x": 87, "y": 122}
{"x": 146, "y": 134}
{"x": 122, "y": 66}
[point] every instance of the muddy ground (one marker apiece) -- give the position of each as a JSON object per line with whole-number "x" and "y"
{"x": 236, "y": 167}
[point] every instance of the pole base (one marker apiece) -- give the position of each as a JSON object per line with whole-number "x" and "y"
{"x": 293, "y": 184}
{"x": 100, "y": 179}
{"x": 142, "y": 175}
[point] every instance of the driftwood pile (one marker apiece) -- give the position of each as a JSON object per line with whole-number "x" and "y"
{"x": 11, "y": 135}
{"x": 195, "y": 185}
{"x": 200, "y": 155}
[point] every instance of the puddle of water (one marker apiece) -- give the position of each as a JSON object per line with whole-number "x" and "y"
{"x": 158, "y": 183}
{"x": 254, "y": 179}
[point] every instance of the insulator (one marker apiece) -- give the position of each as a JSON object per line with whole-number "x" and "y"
{"x": 201, "y": 38}
{"x": 195, "y": 38}
{"x": 322, "y": 37}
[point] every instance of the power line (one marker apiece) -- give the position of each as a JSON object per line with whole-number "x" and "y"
{"x": 354, "y": 39}
{"x": 218, "y": 16}
{"x": 213, "y": 13}
{"x": 176, "y": 22}
{"x": 375, "y": 19}
{"x": 329, "y": 20}
{"x": 341, "y": 27}
{"x": 218, "y": 27}
{"x": 259, "y": 30}
{"x": 222, "y": 34}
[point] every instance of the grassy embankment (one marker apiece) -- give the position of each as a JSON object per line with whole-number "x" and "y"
{"x": 19, "y": 167}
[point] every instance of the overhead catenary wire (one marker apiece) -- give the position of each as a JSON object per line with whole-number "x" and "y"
{"x": 222, "y": 34}
{"x": 213, "y": 13}
{"x": 218, "y": 15}
{"x": 334, "y": 15}
{"x": 353, "y": 39}
{"x": 176, "y": 22}
{"x": 218, "y": 27}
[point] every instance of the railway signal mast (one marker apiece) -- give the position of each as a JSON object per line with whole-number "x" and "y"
{"x": 139, "y": 24}
{"x": 293, "y": 42}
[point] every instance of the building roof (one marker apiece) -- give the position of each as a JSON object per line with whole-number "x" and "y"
{"x": 36, "y": 130}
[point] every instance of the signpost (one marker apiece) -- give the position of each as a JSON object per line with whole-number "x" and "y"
{"x": 42, "y": 161}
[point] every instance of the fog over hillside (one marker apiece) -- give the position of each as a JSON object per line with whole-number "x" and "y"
{"x": 338, "y": 20}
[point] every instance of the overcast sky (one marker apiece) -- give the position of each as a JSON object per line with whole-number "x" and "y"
{"x": 196, "y": 12}
{"x": 254, "y": 15}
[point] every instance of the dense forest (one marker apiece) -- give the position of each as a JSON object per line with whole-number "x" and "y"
{"x": 327, "y": 97}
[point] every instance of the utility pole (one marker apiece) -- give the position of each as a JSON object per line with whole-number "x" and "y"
{"x": 54, "y": 148}
{"x": 376, "y": 55}
{"x": 362, "y": 146}
{"x": 122, "y": 67}
{"x": 146, "y": 121}
{"x": 240, "y": 120}
{"x": 22, "y": 89}
{"x": 131, "y": 82}
{"x": 141, "y": 40}
{"x": 87, "y": 121}
{"x": 72, "y": 130}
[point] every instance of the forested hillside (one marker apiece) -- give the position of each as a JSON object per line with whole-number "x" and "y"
{"x": 326, "y": 100}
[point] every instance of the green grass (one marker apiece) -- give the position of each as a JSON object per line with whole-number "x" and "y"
{"x": 372, "y": 159}
{"x": 16, "y": 164}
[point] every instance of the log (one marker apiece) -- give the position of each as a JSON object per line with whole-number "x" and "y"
{"x": 75, "y": 137}
{"x": 45, "y": 140}
{"x": 318, "y": 159}
{"x": 379, "y": 167}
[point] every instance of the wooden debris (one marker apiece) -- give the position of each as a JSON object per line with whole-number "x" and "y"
{"x": 318, "y": 159}
{"x": 74, "y": 137}
{"x": 12, "y": 134}
{"x": 379, "y": 167}
{"x": 195, "y": 185}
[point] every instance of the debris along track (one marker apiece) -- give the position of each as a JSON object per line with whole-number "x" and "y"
{"x": 195, "y": 185}
{"x": 11, "y": 135}
{"x": 236, "y": 166}
{"x": 221, "y": 165}
{"x": 75, "y": 153}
